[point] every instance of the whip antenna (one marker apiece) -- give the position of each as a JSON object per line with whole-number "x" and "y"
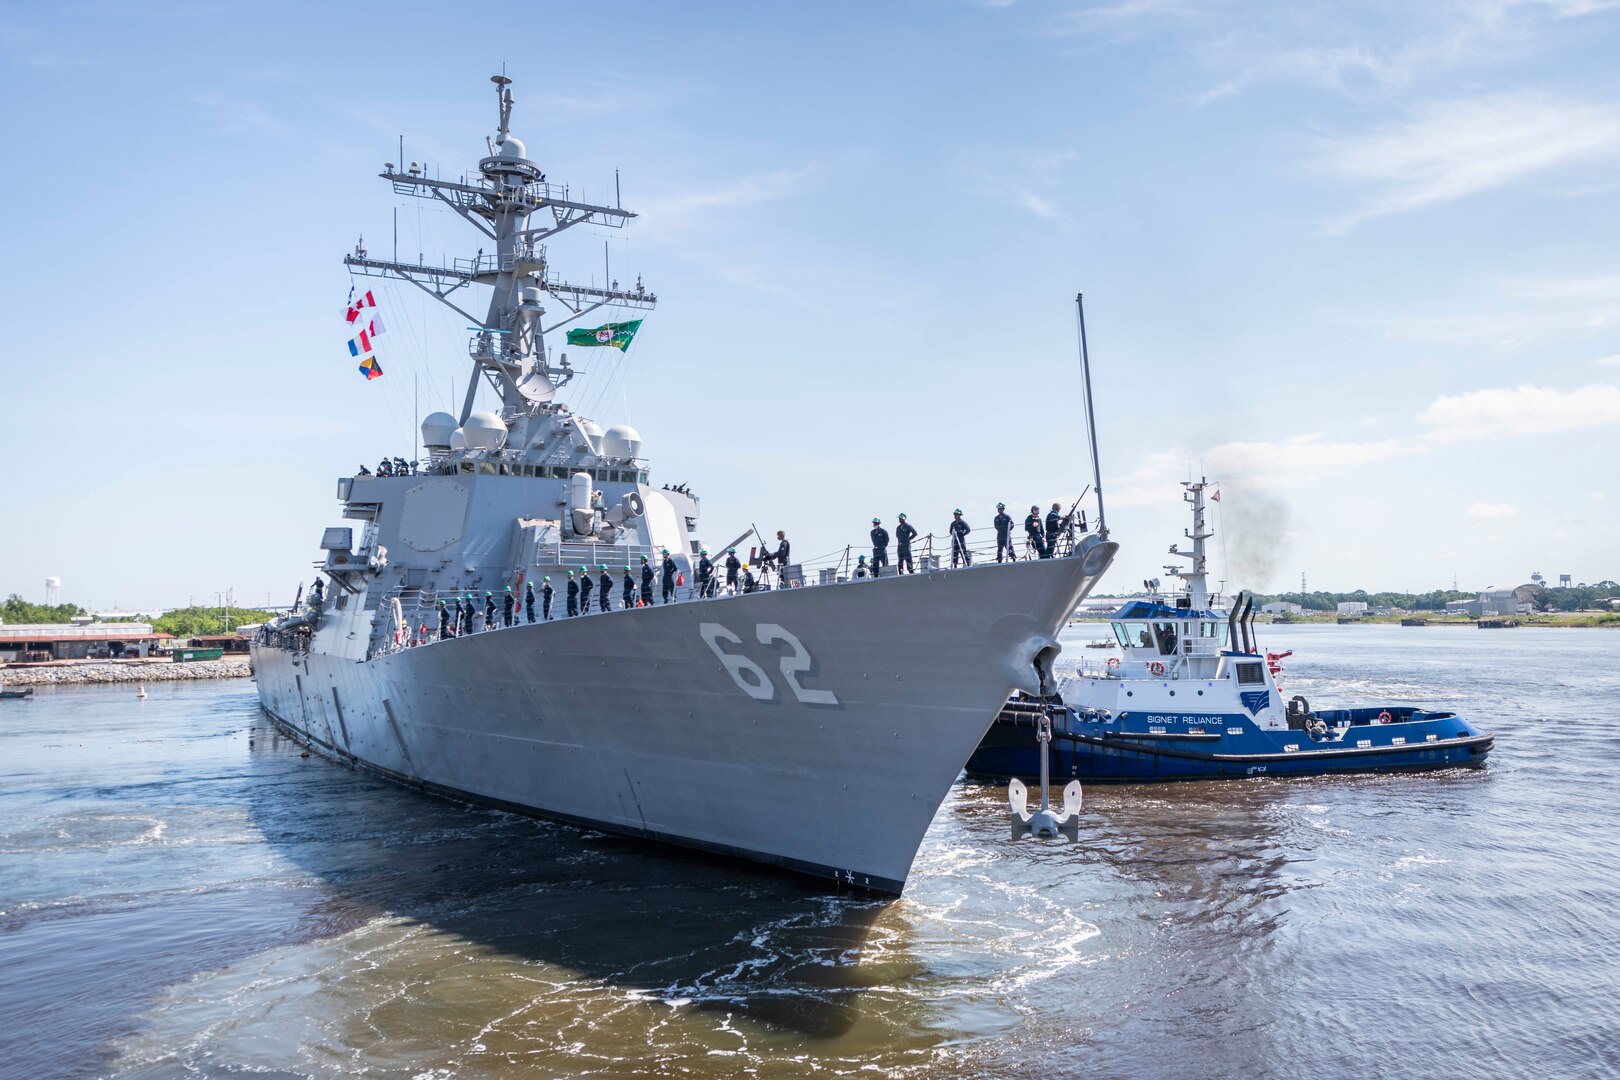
{"x": 1091, "y": 415}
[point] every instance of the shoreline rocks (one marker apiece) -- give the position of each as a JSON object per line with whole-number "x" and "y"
{"x": 142, "y": 671}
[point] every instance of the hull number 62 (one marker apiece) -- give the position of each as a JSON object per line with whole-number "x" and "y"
{"x": 751, "y": 679}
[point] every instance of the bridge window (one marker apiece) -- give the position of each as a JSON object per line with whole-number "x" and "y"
{"x": 1166, "y": 633}
{"x": 1134, "y": 635}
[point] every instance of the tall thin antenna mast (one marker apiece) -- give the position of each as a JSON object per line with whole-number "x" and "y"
{"x": 1091, "y": 415}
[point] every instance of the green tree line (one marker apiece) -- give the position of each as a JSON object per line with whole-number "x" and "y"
{"x": 18, "y": 610}
{"x": 195, "y": 621}
{"x": 182, "y": 622}
{"x": 1574, "y": 598}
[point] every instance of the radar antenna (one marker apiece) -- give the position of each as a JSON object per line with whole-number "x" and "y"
{"x": 508, "y": 344}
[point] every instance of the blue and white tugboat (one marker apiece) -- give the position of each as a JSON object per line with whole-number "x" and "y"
{"x": 1193, "y": 696}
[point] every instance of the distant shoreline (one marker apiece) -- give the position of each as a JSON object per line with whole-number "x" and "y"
{"x": 1577, "y": 619}
{"x": 98, "y": 673}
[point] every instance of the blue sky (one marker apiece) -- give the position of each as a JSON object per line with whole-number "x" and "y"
{"x": 1356, "y": 262}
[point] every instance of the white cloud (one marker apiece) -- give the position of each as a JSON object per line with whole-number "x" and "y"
{"x": 1491, "y": 510}
{"x": 1524, "y": 310}
{"x": 677, "y": 207}
{"x": 1036, "y": 205}
{"x": 1448, "y": 150}
{"x": 1607, "y": 361}
{"x": 1523, "y": 410}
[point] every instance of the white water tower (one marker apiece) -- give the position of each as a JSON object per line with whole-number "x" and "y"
{"x": 53, "y": 591}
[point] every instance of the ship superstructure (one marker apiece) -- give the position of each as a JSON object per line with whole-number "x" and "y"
{"x": 816, "y": 728}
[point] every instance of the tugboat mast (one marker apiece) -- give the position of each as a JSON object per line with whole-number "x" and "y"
{"x": 508, "y": 344}
{"x": 1196, "y": 576}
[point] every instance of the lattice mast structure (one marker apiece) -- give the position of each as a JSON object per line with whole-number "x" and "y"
{"x": 508, "y": 344}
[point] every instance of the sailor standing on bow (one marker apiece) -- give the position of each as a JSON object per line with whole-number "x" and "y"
{"x": 528, "y": 600}
{"x": 629, "y": 589}
{"x": 604, "y": 596}
{"x": 546, "y": 592}
{"x": 1032, "y": 531}
{"x": 1054, "y": 528}
{"x": 585, "y": 587}
{"x": 1004, "y": 524}
{"x": 732, "y": 566}
{"x": 444, "y": 621}
{"x": 880, "y": 547}
{"x": 489, "y": 610}
{"x": 705, "y": 573}
{"x": 507, "y": 603}
{"x": 646, "y": 582}
{"x": 573, "y": 595}
{"x": 669, "y": 578}
{"x": 959, "y": 535}
{"x": 904, "y": 534}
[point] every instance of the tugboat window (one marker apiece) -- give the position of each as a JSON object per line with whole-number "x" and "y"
{"x": 1135, "y": 635}
{"x": 1167, "y": 638}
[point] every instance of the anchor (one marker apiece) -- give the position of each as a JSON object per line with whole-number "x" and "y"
{"x": 1045, "y": 822}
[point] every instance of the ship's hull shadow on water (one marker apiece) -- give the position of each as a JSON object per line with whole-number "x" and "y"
{"x": 702, "y": 931}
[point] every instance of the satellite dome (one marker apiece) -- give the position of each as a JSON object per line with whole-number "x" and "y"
{"x": 458, "y": 441}
{"x": 621, "y": 441}
{"x": 593, "y": 433}
{"x": 484, "y": 431}
{"x": 437, "y": 429}
{"x": 512, "y": 147}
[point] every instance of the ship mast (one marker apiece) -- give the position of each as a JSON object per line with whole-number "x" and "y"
{"x": 508, "y": 344}
{"x": 1196, "y": 576}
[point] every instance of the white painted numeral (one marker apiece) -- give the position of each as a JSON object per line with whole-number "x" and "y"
{"x": 748, "y": 676}
{"x": 800, "y": 663}
{"x": 751, "y": 678}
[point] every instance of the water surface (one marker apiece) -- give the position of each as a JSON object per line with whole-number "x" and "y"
{"x": 182, "y": 893}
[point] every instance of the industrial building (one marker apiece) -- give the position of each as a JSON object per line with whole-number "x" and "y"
{"x": 77, "y": 641}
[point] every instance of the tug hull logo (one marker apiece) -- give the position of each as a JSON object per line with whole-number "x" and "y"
{"x": 1255, "y": 700}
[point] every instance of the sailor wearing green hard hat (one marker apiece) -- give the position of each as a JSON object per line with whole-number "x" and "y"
{"x": 668, "y": 574}
{"x": 585, "y": 587}
{"x": 1004, "y": 543}
{"x": 573, "y": 595}
{"x": 880, "y": 547}
{"x": 508, "y": 602}
{"x": 705, "y": 574}
{"x": 732, "y": 566}
{"x": 960, "y": 556}
{"x": 904, "y": 534}
{"x": 604, "y": 595}
{"x": 489, "y": 610}
{"x": 646, "y": 582}
{"x": 629, "y": 595}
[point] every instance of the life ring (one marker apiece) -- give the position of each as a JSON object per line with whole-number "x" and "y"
{"x": 1113, "y": 661}
{"x": 1155, "y": 668}
{"x": 1384, "y": 717}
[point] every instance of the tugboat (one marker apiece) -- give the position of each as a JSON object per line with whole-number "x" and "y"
{"x": 1193, "y": 696}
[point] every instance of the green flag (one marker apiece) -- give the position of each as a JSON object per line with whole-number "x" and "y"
{"x": 613, "y": 333}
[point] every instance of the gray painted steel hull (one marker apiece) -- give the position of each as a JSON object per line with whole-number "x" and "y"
{"x": 629, "y": 722}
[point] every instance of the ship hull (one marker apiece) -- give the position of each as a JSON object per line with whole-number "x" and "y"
{"x": 812, "y": 729}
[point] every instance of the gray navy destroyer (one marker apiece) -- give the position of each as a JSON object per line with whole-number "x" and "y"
{"x": 814, "y": 727}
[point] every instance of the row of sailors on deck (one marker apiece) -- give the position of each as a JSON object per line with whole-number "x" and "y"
{"x": 460, "y": 616}
{"x": 1041, "y": 539}
{"x": 391, "y": 467}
